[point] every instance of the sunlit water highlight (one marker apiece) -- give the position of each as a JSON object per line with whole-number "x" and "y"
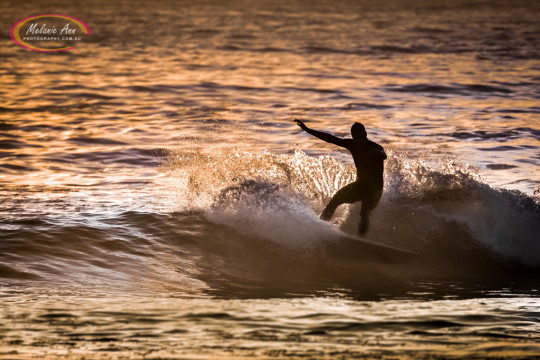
{"x": 156, "y": 200}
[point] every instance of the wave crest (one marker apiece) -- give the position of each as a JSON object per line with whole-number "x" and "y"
{"x": 448, "y": 200}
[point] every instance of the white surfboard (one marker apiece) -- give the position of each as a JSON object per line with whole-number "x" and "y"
{"x": 356, "y": 248}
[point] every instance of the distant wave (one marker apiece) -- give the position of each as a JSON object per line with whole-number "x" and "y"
{"x": 500, "y": 135}
{"x": 394, "y": 49}
{"x": 531, "y": 110}
{"x": 387, "y": 49}
{"x": 372, "y": 50}
{"x": 460, "y": 89}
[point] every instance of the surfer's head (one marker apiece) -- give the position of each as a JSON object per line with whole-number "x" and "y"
{"x": 358, "y": 131}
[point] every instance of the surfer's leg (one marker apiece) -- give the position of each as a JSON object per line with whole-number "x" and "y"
{"x": 369, "y": 202}
{"x": 346, "y": 195}
{"x": 364, "y": 219}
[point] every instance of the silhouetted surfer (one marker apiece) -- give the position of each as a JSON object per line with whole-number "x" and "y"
{"x": 369, "y": 160}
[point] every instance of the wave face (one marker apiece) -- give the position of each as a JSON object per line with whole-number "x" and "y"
{"x": 242, "y": 223}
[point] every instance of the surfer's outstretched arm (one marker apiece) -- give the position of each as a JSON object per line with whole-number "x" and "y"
{"x": 322, "y": 135}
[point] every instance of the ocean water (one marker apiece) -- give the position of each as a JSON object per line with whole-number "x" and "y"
{"x": 157, "y": 200}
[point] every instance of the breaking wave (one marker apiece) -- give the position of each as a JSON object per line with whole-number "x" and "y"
{"x": 242, "y": 222}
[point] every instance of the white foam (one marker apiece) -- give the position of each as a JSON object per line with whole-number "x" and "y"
{"x": 278, "y": 216}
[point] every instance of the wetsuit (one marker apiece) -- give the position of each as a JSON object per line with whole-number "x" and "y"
{"x": 369, "y": 160}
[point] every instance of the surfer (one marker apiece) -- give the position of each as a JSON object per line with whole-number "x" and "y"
{"x": 369, "y": 159}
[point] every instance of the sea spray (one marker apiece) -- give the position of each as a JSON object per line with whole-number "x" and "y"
{"x": 278, "y": 197}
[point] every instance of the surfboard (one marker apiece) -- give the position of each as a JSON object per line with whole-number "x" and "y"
{"x": 355, "y": 248}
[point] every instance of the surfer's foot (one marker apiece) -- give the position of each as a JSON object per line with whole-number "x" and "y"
{"x": 327, "y": 213}
{"x": 362, "y": 230}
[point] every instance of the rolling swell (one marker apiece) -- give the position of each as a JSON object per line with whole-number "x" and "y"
{"x": 233, "y": 231}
